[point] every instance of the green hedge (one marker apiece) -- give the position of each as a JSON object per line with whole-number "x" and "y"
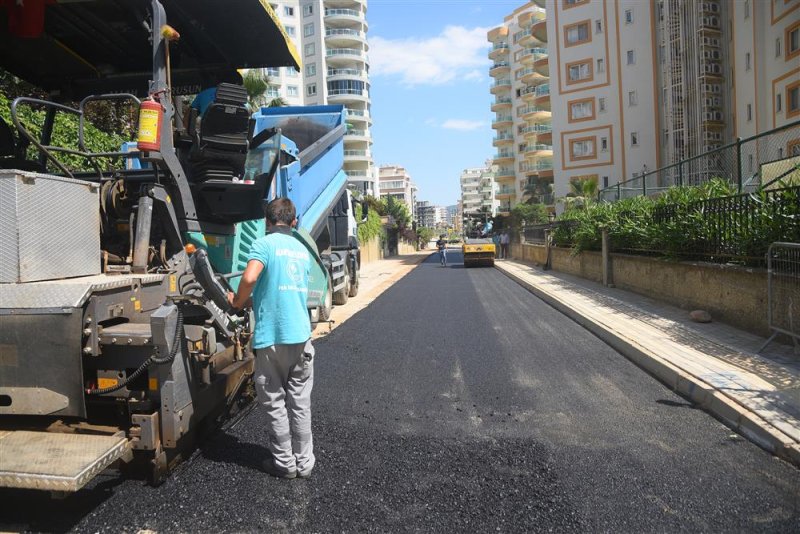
{"x": 677, "y": 224}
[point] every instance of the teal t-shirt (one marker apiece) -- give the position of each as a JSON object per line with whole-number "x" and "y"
{"x": 280, "y": 294}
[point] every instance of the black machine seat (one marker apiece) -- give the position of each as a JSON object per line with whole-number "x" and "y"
{"x": 217, "y": 161}
{"x": 221, "y": 145}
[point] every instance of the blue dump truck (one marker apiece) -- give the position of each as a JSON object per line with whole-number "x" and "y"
{"x": 117, "y": 343}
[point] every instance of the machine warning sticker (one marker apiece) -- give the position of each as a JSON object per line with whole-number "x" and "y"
{"x": 103, "y": 383}
{"x": 173, "y": 283}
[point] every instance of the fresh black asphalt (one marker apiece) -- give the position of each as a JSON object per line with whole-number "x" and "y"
{"x": 458, "y": 402}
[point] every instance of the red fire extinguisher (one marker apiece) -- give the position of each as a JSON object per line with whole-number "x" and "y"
{"x": 150, "y": 116}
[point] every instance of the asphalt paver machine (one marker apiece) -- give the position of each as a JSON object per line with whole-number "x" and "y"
{"x": 117, "y": 344}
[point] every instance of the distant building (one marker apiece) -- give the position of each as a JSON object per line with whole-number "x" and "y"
{"x": 394, "y": 181}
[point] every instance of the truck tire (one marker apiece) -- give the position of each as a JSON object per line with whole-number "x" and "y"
{"x": 354, "y": 282}
{"x": 340, "y": 296}
{"x": 325, "y": 309}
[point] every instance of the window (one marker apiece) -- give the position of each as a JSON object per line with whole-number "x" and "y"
{"x": 601, "y": 104}
{"x": 749, "y": 163}
{"x": 778, "y": 103}
{"x": 749, "y": 112}
{"x": 311, "y": 69}
{"x": 290, "y": 31}
{"x": 308, "y": 49}
{"x": 601, "y": 65}
{"x": 308, "y": 30}
{"x": 634, "y": 138}
{"x": 598, "y": 26}
{"x": 582, "y": 148}
{"x": 581, "y": 110}
{"x": 291, "y": 72}
{"x": 778, "y": 47}
{"x": 273, "y": 91}
{"x": 793, "y": 100}
{"x": 747, "y": 61}
{"x": 579, "y": 71}
{"x": 308, "y": 10}
{"x": 288, "y": 11}
{"x": 577, "y": 33}
{"x": 631, "y": 57}
{"x": 311, "y": 89}
{"x": 274, "y": 72}
{"x": 605, "y": 181}
{"x": 572, "y": 3}
{"x": 604, "y": 144}
{"x": 633, "y": 98}
{"x": 793, "y": 148}
{"x": 792, "y": 38}
{"x": 747, "y": 9}
{"x": 291, "y": 90}
{"x": 629, "y": 16}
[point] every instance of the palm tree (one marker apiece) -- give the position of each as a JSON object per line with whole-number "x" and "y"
{"x": 277, "y": 102}
{"x": 583, "y": 193}
{"x": 256, "y": 85}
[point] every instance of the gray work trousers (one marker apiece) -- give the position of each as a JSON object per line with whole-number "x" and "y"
{"x": 284, "y": 379}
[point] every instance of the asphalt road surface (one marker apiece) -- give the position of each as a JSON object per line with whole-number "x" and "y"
{"x": 458, "y": 402}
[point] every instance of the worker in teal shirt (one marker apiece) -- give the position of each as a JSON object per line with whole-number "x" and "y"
{"x": 277, "y": 278}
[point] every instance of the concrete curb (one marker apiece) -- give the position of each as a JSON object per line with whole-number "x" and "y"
{"x": 712, "y": 400}
{"x": 341, "y": 314}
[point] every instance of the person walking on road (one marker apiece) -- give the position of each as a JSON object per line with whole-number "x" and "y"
{"x": 504, "y": 240}
{"x": 277, "y": 278}
{"x": 496, "y": 241}
{"x": 441, "y": 246}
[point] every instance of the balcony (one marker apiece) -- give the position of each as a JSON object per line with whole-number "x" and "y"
{"x": 503, "y": 157}
{"x": 539, "y": 30}
{"x": 502, "y": 121}
{"x": 505, "y": 192}
{"x": 356, "y": 115}
{"x": 347, "y": 74}
{"x": 530, "y": 76}
{"x": 498, "y": 50}
{"x": 499, "y": 68}
{"x": 502, "y": 140}
{"x": 344, "y": 15}
{"x": 533, "y": 112}
{"x": 505, "y": 175}
{"x": 538, "y": 150}
{"x": 354, "y": 134}
{"x": 532, "y": 55}
{"x": 542, "y": 66}
{"x": 501, "y": 102}
{"x": 346, "y": 53}
{"x": 500, "y": 86}
{"x": 350, "y": 155}
{"x": 343, "y": 96}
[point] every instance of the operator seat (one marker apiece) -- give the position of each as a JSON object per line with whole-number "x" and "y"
{"x": 217, "y": 160}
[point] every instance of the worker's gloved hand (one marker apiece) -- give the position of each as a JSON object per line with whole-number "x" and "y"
{"x": 231, "y": 297}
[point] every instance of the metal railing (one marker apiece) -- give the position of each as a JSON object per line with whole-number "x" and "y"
{"x": 759, "y": 161}
{"x": 783, "y": 291}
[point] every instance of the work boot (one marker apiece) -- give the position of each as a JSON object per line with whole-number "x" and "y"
{"x": 270, "y": 468}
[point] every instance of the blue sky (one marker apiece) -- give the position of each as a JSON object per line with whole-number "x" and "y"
{"x": 429, "y": 75}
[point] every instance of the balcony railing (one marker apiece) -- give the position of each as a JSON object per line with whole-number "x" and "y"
{"x": 344, "y": 52}
{"x": 530, "y": 109}
{"x": 351, "y": 33}
{"x": 503, "y": 137}
{"x": 356, "y": 174}
{"x": 348, "y": 12}
{"x": 500, "y": 64}
{"x": 523, "y": 73}
{"x": 501, "y": 119}
{"x": 506, "y": 191}
{"x": 506, "y": 172}
{"x": 356, "y": 133}
{"x": 504, "y": 100}
{"x": 501, "y": 155}
{"x": 502, "y": 83}
{"x": 363, "y": 153}
{"x": 334, "y": 92}
{"x": 346, "y": 72}
{"x": 498, "y": 46}
{"x": 355, "y": 112}
{"x": 542, "y": 90}
{"x": 539, "y": 146}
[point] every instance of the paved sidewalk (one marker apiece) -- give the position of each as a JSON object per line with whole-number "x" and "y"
{"x": 376, "y": 277}
{"x": 714, "y": 365}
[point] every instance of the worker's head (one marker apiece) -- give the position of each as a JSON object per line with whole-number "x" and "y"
{"x": 281, "y": 211}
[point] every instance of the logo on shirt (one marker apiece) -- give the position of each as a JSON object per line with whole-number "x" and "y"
{"x": 295, "y": 271}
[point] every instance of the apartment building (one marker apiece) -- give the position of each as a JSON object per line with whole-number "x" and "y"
{"x": 603, "y": 90}
{"x": 471, "y": 196}
{"x": 431, "y": 216}
{"x": 396, "y": 182}
{"x": 331, "y": 36}
{"x": 765, "y": 39}
{"x": 523, "y": 140}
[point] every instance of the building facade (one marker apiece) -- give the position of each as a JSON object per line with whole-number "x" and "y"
{"x": 331, "y": 37}
{"x": 396, "y": 182}
{"x": 522, "y": 121}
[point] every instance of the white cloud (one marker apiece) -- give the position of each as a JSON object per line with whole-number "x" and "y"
{"x": 456, "y": 53}
{"x": 462, "y": 124}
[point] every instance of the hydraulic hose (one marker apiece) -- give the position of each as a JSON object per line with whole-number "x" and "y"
{"x": 153, "y": 359}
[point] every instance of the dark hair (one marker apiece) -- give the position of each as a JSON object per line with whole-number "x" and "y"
{"x": 281, "y": 210}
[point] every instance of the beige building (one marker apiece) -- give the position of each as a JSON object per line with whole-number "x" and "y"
{"x": 523, "y": 139}
{"x": 331, "y": 36}
{"x": 478, "y": 190}
{"x": 395, "y": 181}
